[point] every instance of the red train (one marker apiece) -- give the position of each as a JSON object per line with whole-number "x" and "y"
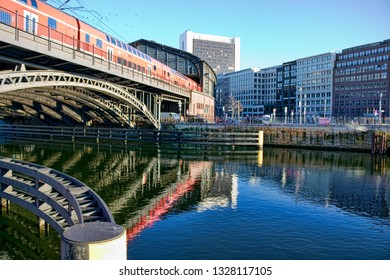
{"x": 47, "y": 21}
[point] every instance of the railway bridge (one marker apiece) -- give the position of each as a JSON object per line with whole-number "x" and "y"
{"x": 54, "y": 82}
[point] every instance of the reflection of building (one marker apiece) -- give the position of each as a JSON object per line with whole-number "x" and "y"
{"x": 222, "y": 53}
{"x": 221, "y": 187}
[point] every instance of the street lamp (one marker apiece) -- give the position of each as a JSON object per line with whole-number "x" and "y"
{"x": 292, "y": 116}
{"x": 304, "y": 109}
{"x": 300, "y": 106}
{"x": 325, "y": 108}
{"x": 380, "y": 108}
{"x": 285, "y": 115}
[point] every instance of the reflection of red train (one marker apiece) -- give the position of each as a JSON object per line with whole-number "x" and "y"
{"x": 160, "y": 208}
{"x": 39, "y": 18}
{"x": 163, "y": 205}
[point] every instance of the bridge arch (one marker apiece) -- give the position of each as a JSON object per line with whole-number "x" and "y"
{"x": 118, "y": 101}
{"x": 45, "y": 106}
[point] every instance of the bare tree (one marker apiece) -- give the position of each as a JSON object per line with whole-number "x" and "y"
{"x": 234, "y": 106}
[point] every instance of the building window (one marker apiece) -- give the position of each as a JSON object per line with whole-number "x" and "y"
{"x": 52, "y": 23}
{"x": 34, "y": 4}
{"x": 99, "y": 43}
{"x": 5, "y": 17}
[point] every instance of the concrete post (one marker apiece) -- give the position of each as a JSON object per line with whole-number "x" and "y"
{"x": 94, "y": 241}
{"x": 261, "y": 138}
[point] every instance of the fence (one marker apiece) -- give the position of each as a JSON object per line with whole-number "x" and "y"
{"x": 178, "y": 138}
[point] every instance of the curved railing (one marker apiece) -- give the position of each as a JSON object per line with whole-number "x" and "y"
{"x": 59, "y": 199}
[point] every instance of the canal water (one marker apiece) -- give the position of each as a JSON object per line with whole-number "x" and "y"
{"x": 276, "y": 204}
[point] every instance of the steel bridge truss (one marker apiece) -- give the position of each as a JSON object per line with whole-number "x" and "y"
{"x": 74, "y": 98}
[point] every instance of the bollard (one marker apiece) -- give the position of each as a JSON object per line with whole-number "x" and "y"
{"x": 261, "y": 138}
{"x": 94, "y": 241}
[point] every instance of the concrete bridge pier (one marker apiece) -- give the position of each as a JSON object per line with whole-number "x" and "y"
{"x": 94, "y": 241}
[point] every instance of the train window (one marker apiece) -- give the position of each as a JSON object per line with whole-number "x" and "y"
{"x": 34, "y": 4}
{"x": 52, "y": 23}
{"x": 143, "y": 56}
{"x": 107, "y": 38}
{"x": 87, "y": 38}
{"x": 130, "y": 65}
{"x": 113, "y": 41}
{"x": 138, "y": 53}
{"x": 154, "y": 67}
{"x": 5, "y": 17}
{"x": 24, "y": 1}
{"x": 99, "y": 43}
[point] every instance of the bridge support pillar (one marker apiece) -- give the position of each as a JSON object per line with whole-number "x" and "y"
{"x": 94, "y": 241}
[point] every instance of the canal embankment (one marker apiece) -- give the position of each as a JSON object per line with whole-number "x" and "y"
{"x": 374, "y": 139}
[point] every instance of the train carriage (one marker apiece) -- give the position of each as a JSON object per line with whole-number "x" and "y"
{"x": 44, "y": 20}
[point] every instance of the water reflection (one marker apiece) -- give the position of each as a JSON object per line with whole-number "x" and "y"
{"x": 143, "y": 186}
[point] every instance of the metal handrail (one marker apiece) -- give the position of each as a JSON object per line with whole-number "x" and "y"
{"x": 33, "y": 177}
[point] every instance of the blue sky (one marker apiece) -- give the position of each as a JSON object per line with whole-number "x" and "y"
{"x": 271, "y": 31}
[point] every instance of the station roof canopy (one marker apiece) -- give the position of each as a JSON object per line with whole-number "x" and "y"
{"x": 182, "y": 61}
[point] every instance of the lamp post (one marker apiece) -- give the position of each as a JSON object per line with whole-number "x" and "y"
{"x": 292, "y": 116}
{"x": 325, "y": 108}
{"x": 285, "y": 115}
{"x": 300, "y": 106}
{"x": 304, "y": 109}
{"x": 380, "y": 108}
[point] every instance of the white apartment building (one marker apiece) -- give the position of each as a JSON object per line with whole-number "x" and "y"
{"x": 314, "y": 86}
{"x": 254, "y": 89}
{"x": 221, "y": 53}
{"x": 266, "y": 88}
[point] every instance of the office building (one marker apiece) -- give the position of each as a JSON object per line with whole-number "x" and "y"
{"x": 222, "y": 53}
{"x": 265, "y": 88}
{"x": 247, "y": 94}
{"x": 314, "y": 86}
{"x": 236, "y": 94}
{"x": 362, "y": 81}
{"x": 286, "y": 89}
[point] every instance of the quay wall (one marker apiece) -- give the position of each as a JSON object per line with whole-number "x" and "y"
{"x": 320, "y": 138}
{"x": 349, "y": 138}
